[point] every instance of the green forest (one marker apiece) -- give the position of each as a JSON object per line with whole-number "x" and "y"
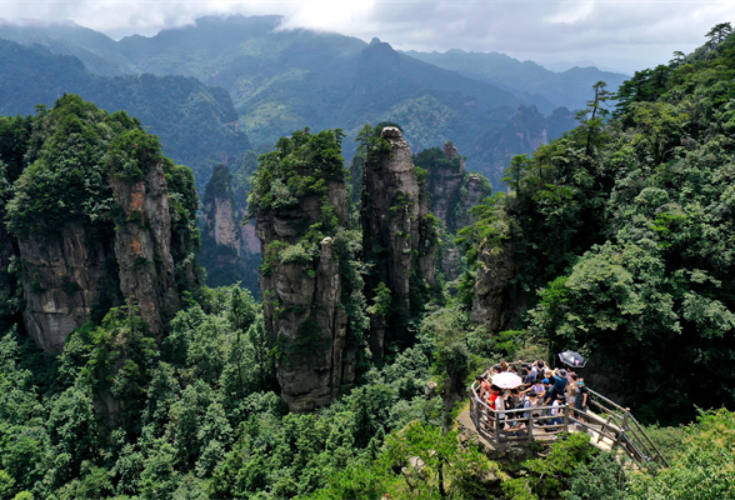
{"x": 620, "y": 235}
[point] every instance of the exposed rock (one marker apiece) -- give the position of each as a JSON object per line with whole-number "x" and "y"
{"x": 303, "y": 247}
{"x": 398, "y": 236}
{"x": 104, "y": 234}
{"x": 221, "y": 248}
{"x": 476, "y": 189}
{"x": 444, "y": 185}
{"x": 64, "y": 278}
{"x": 430, "y": 390}
{"x": 303, "y": 310}
{"x": 453, "y": 193}
{"x": 223, "y": 225}
{"x": 494, "y": 305}
{"x": 143, "y": 247}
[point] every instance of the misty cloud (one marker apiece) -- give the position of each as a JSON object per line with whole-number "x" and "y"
{"x": 623, "y": 34}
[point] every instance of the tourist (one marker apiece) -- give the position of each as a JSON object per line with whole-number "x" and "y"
{"x": 539, "y": 389}
{"x": 484, "y": 385}
{"x": 531, "y": 374}
{"x": 540, "y": 365}
{"x": 548, "y": 392}
{"x": 556, "y": 410}
{"x": 503, "y": 366}
{"x": 572, "y": 389}
{"x": 582, "y": 395}
{"x": 559, "y": 381}
{"x": 499, "y": 408}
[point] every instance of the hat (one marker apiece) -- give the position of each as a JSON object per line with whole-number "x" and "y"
{"x": 562, "y": 373}
{"x": 545, "y": 381}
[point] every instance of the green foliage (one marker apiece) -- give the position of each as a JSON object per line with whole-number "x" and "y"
{"x": 66, "y": 181}
{"x": 299, "y": 167}
{"x": 447, "y": 332}
{"x": 548, "y": 477}
{"x": 702, "y": 470}
{"x": 371, "y": 146}
{"x": 432, "y": 463}
{"x": 621, "y": 225}
{"x": 131, "y": 155}
{"x": 381, "y": 301}
{"x": 601, "y": 479}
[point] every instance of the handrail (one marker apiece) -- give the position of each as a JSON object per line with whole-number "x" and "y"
{"x": 616, "y": 427}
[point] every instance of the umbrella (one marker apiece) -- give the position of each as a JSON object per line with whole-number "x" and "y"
{"x": 573, "y": 359}
{"x": 507, "y": 380}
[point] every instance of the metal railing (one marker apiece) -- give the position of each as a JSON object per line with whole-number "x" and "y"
{"x": 614, "y": 423}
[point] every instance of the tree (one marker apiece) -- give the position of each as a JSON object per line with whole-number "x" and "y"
{"x": 432, "y": 463}
{"x": 702, "y": 471}
{"x": 717, "y": 34}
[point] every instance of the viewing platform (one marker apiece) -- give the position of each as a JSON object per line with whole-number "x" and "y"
{"x": 610, "y": 427}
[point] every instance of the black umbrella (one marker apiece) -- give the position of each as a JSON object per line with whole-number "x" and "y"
{"x": 573, "y": 359}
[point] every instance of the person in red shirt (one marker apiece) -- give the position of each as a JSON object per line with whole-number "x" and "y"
{"x": 484, "y": 386}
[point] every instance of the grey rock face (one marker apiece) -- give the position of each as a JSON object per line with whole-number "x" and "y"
{"x": 302, "y": 307}
{"x": 64, "y": 278}
{"x": 453, "y": 193}
{"x": 221, "y": 224}
{"x": 143, "y": 247}
{"x": 71, "y": 273}
{"x": 395, "y": 230}
{"x": 493, "y": 306}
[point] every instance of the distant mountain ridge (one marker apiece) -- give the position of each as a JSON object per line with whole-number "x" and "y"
{"x": 284, "y": 80}
{"x": 568, "y": 88}
{"x": 190, "y": 118}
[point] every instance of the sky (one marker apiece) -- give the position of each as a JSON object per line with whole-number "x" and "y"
{"x": 622, "y": 35}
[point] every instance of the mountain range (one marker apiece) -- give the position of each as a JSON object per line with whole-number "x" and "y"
{"x": 490, "y": 106}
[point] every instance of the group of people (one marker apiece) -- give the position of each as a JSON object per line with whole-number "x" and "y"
{"x": 541, "y": 387}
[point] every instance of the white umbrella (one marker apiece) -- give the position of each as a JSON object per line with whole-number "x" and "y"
{"x": 507, "y": 380}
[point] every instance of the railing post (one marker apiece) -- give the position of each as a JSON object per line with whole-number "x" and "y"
{"x": 475, "y": 416}
{"x": 566, "y": 417}
{"x": 530, "y": 425}
{"x": 603, "y": 429}
{"x": 621, "y": 434}
{"x": 497, "y": 427}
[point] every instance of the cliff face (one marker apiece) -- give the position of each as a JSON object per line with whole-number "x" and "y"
{"x": 221, "y": 251}
{"x": 398, "y": 237}
{"x": 143, "y": 247}
{"x": 222, "y": 225}
{"x": 453, "y": 193}
{"x": 73, "y": 274}
{"x": 302, "y": 306}
{"x": 65, "y": 276}
{"x": 495, "y": 305}
{"x": 302, "y": 287}
{"x": 445, "y": 183}
{"x": 92, "y": 224}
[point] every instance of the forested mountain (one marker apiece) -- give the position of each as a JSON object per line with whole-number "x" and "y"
{"x": 624, "y": 224}
{"x": 181, "y": 111}
{"x": 122, "y": 377}
{"x": 624, "y": 227}
{"x": 284, "y": 80}
{"x": 97, "y": 51}
{"x": 547, "y": 89}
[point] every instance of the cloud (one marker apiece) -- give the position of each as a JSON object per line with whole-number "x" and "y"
{"x": 629, "y": 34}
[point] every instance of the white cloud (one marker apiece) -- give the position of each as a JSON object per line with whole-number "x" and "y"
{"x": 630, "y": 34}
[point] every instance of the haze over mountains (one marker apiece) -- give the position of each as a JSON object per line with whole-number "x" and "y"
{"x": 490, "y": 105}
